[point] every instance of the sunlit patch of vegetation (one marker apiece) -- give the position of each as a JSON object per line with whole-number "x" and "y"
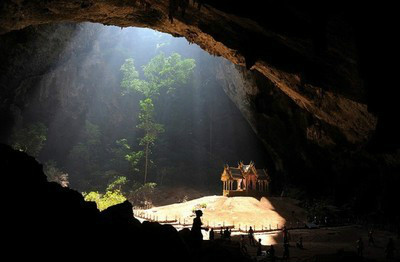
{"x": 103, "y": 201}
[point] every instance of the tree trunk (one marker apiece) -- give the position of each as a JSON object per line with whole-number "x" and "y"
{"x": 147, "y": 158}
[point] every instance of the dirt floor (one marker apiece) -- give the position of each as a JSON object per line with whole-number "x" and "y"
{"x": 165, "y": 195}
{"x": 276, "y": 211}
{"x": 243, "y": 211}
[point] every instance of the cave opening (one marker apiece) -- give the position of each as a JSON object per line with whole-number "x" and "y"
{"x": 313, "y": 111}
{"x": 134, "y": 106}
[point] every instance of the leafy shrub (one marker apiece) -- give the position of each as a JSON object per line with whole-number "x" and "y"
{"x": 110, "y": 198}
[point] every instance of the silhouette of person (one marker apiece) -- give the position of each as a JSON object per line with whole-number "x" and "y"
{"x": 196, "y": 234}
{"x": 226, "y": 233}
{"x": 259, "y": 247}
{"x": 251, "y": 236}
{"x": 271, "y": 253}
{"x": 285, "y": 233}
{"x": 360, "y": 247}
{"x": 211, "y": 235}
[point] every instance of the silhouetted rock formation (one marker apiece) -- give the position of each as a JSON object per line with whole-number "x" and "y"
{"x": 327, "y": 112}
{"x": 45, "y": 220}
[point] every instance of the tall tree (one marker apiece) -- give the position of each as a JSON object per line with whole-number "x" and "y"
{"x": 151, "y": 130}
{"x": 160, "y": 74}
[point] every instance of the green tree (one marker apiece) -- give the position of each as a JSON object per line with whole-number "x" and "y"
{"x": 30, "y": 139}
{"x": 112, "y": 196}
{"x": 161, "y": 74}
{"x": 103, "y": 201}
{"x": 151, "y": 130}
{"x": 117, "y": 183}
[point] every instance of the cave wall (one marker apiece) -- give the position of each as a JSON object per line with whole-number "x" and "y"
{"x": 322, "y": 158}
{"x": 327, "y": 104}
{"x": 302, "y": 48}
{"x": 37, "y": 63}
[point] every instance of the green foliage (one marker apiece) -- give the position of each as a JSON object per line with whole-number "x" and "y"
{"x": 147, "y": 123}
{"x": 103, "y": 201}
{"x": 160, "y": 73}
{"x": 54, "y": 174}
{"x": 117, "y": 183}
{"x": 168, "y": 72}
{"x": 113, "y": 195}
{"x": 134, "y": 159}
{"x": 142, "y": 193}
{"x": 30, "y": 139}
{"x": 130, "y": 81}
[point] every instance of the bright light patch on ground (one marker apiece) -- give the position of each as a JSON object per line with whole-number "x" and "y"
{"x": 238, "y": 211}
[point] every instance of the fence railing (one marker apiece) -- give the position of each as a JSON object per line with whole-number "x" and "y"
{"x": 187, "y": 222}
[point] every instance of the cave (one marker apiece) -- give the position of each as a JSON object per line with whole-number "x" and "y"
{"x": 306, "y": 90}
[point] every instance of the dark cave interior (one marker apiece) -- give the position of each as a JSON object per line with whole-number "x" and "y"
{"x": 306, "y": 90}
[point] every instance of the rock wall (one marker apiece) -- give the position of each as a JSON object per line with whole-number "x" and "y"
{"x": 48, "y": 221}
{"x": 301, "y": 48}
{"x": 321, "y": 72}
{"x": 328, "y": 158}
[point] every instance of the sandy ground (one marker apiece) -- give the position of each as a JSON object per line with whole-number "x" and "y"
{"x": 247, "y": 211}
{"x": 243, "y": 211}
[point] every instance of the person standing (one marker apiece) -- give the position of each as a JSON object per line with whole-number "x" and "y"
{"x": 251, "y": 236}
{"x": 211, "y": 235}
{"x": 259, "y": 247}
{"x": 197, "y": 236}
{"x": 285, "y": 234}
